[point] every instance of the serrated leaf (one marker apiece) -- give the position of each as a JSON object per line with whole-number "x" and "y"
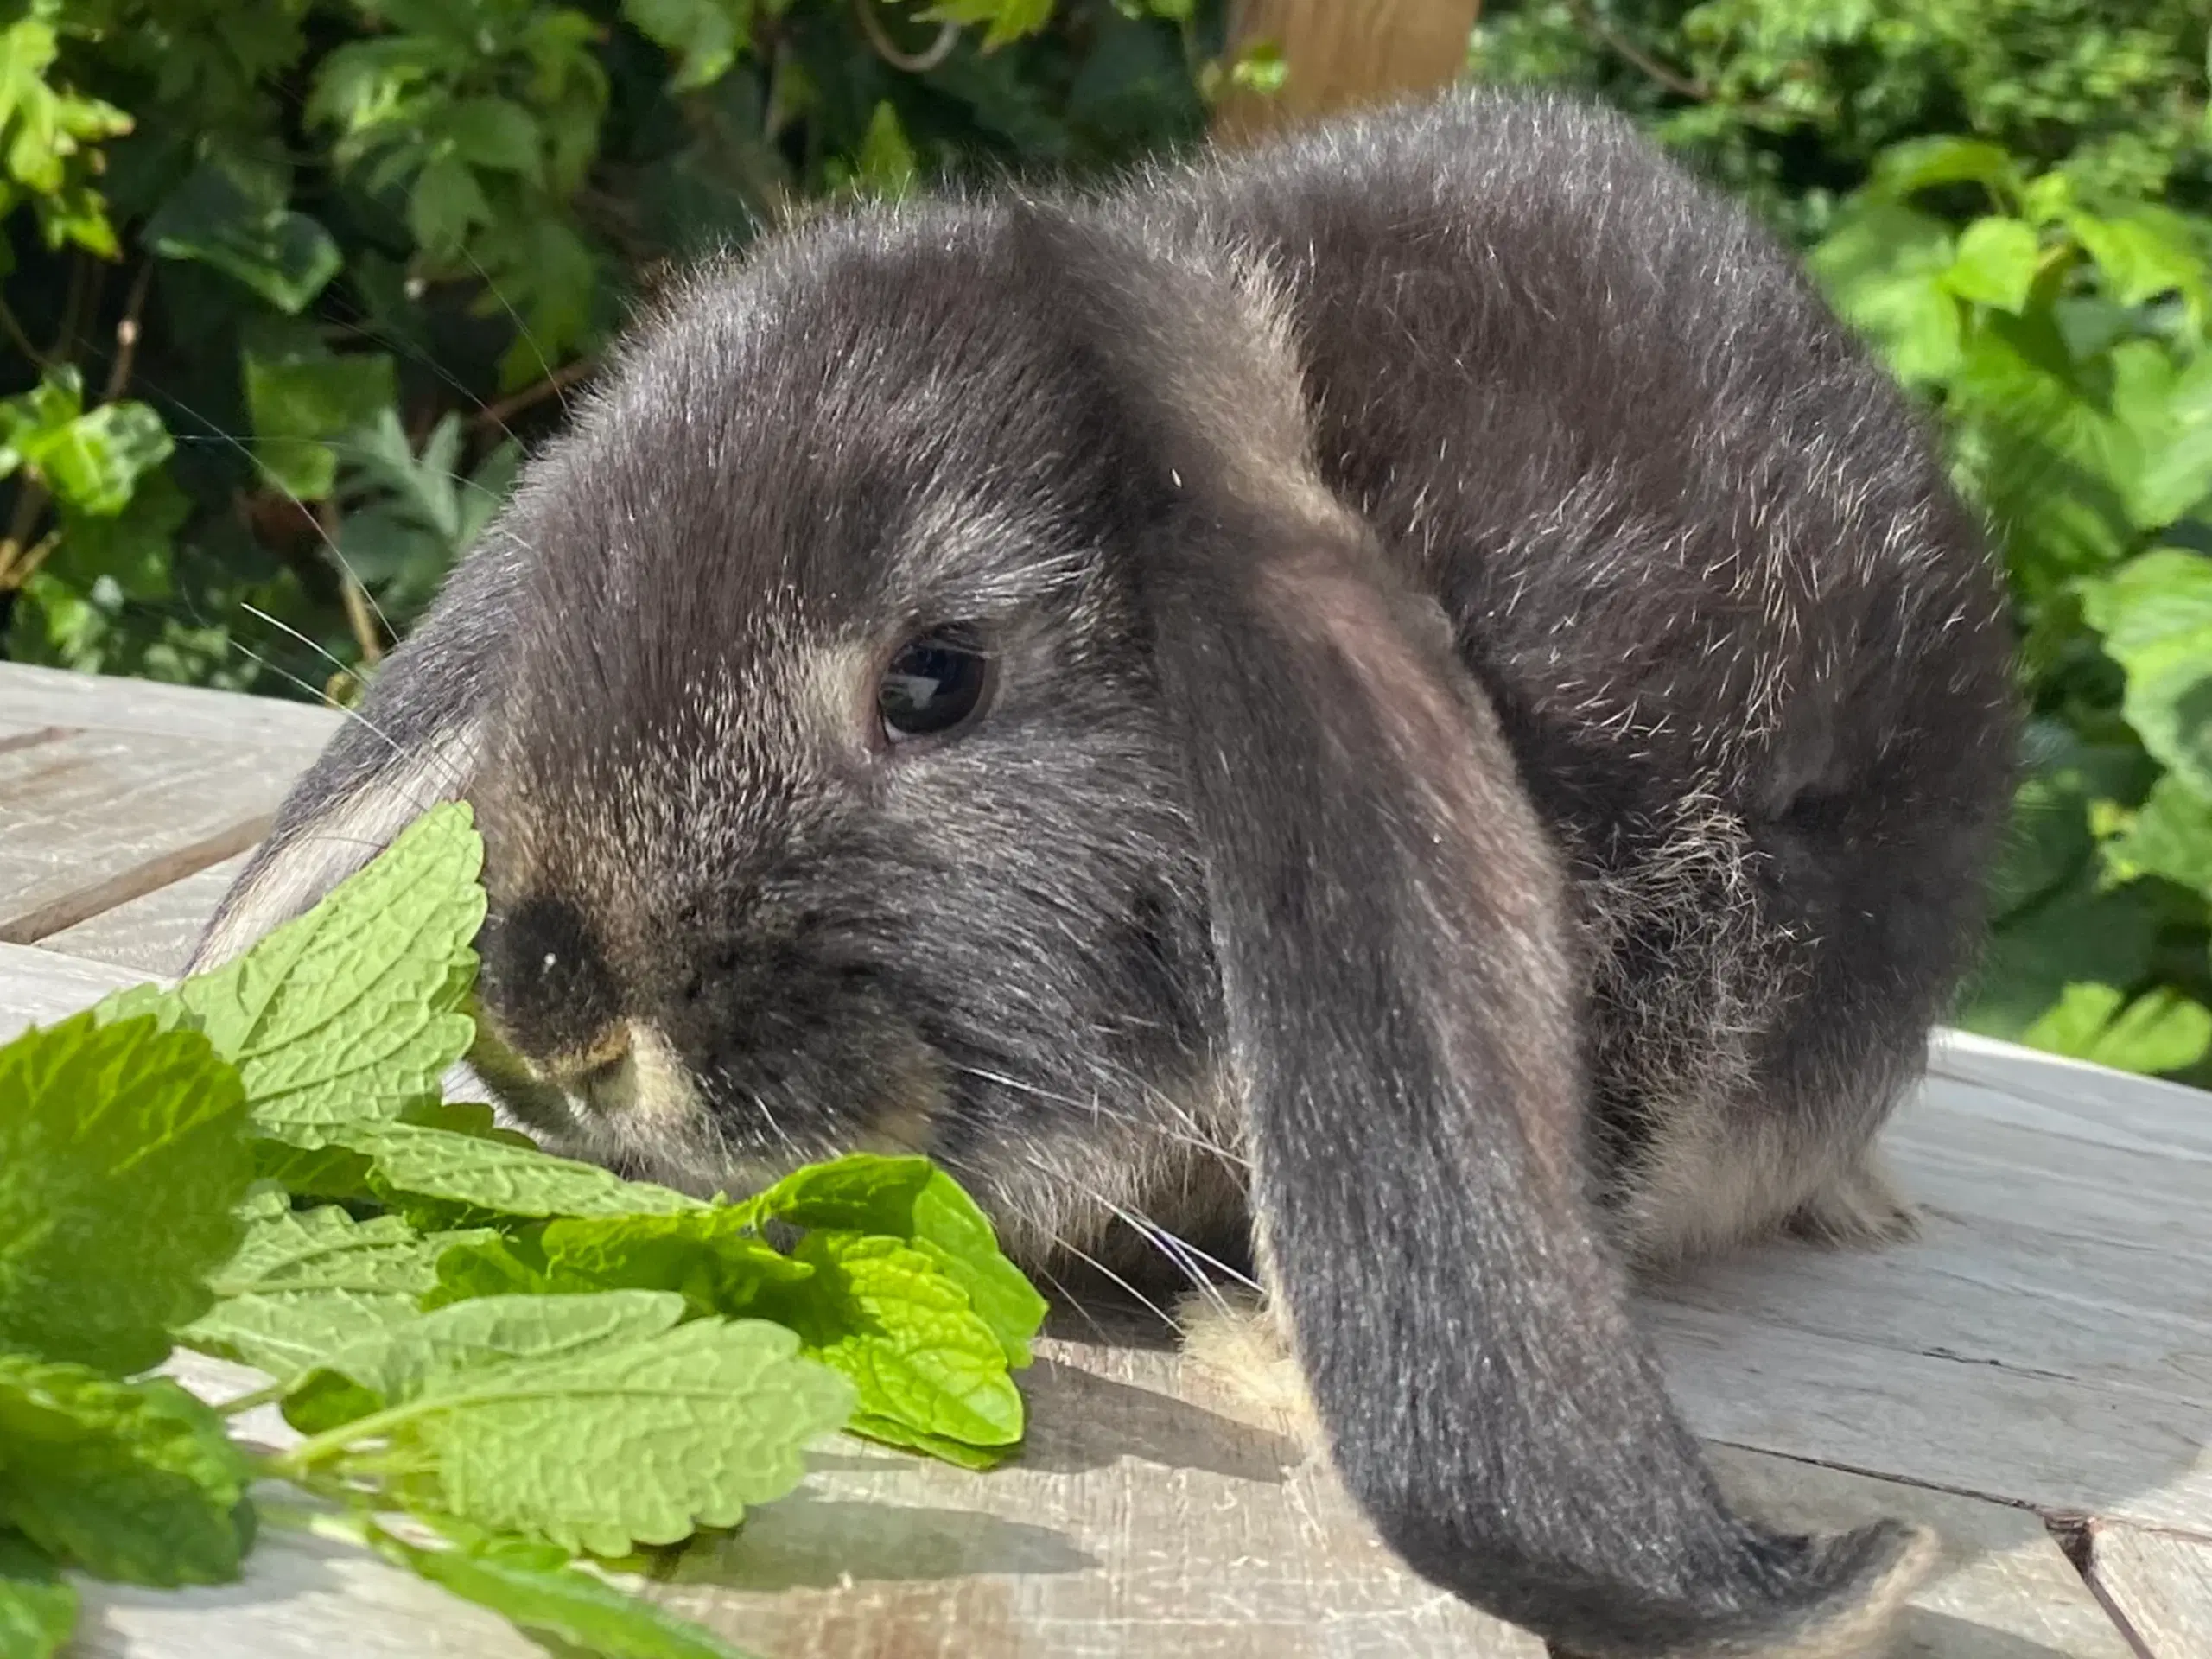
{"x": 344, "y": 1017}
{"x": 303, "y": 1285}
{"x": 597, "y": 1422}
{"x": 122, "y": 1155}
{"x": 477, "y": 1174}
{"x": 535, "y": 1587}
{"x": 38, "y": 1607}
{"x": 135, "y": 1481}
{"x": 707, "y": 1256}
{"x": 911, "y": 1199}
{"x": 884, "y": 1314}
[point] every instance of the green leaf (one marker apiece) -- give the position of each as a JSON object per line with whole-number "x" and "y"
{"x": 534, "y": 1587}
{"x": 1995, "y": 264}
{"x": 478, "y": 1175}
{"x": 494, "y": 133}
{"x": 886, "y": 1314}
{"x": 239, "y": 223}
{"x": 445, "y": 205}
{"x": 707, "y": 1255}
{"x": 300, "y": 398}
{"x": 1008, "y": 21}
{"x": 2078, "y": 936}
{"x": 134, "y": 548}
{"x": 305, "y": 1284}
{"x": 122, "y": 1155}
{"x": 94, "y": 462}
{"x": 135, "y": 1481}
{"x": 597, "y": 1422}
{"x": 2158, "y": 1031}
{"x": 343, "y": 1017}
{"x": 2170, "y": 836}
{"x": 705, "y": 34}
{"x": 2144, "y": 253}
{"x": 1923, "y": 163}
{"x": 38, "y": 1607}
{"x": 887, "y": 166}
{"x": 911, "y": 1199}
{"x": 2155, "y": 613}
{"x": 1883, "y": 267}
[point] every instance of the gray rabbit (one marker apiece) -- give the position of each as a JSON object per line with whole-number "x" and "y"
{"x": 1415, "y": 686}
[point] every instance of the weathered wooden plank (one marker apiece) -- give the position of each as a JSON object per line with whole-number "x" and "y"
{"x": 1991, "y": 1431}
{"x": 39, "y": 986}
{"x": 154, "y": 933}
{"x": 1150, "y": 1514}
{"x": 290, "y": 731}
{"x": 2002, "y": 1590}
{"x": 2160, "y": 1586}
{"x": 2077, "y": 1101}
{"x": 98, "y": 818}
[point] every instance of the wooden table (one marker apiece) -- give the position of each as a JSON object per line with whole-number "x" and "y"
{"x": 2033, "y": 1377}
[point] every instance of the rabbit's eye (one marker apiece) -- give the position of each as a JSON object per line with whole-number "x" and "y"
{"x": 936, "y": 682}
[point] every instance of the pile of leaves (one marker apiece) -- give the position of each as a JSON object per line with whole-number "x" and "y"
{"x": 508, "y": 1372}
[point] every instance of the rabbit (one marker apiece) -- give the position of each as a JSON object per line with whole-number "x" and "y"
{"x": 1411, "y": 689}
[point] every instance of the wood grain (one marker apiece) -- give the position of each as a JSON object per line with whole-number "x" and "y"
{"x": 2002, "y": 1590}
{"x": 153, "y": 934}
{"x": 1341, "y": 56}
{"x": 99, "y": 817}
{"x": 284, "y": 731}
{"x": 2159, "y": 1585}
{"x": 39, "y": 986}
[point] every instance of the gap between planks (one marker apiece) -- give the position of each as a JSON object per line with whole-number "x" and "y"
{"x": 164, "y": 870}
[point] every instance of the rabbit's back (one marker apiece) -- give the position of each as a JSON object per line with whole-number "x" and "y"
{"x": 1747, "y": 645}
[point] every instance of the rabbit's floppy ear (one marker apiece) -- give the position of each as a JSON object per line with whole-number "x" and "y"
{"x": 1391, "y": 932}
{"x": 411, "y": 744}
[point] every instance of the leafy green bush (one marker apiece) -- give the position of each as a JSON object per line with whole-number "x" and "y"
{"x": 2066, "y": 348}
{"x": 286, "y": 278}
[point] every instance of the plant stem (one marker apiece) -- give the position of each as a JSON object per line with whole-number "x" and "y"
{"x": 15, "y": 563}
{"x": 13, "y": 325}
{"x": 247, "y": 1403}
{"x": 126, "y": 333}
{"x": 497, "y": 415}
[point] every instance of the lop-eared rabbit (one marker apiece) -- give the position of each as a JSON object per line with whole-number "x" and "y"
{"x": 1412, "y": 687}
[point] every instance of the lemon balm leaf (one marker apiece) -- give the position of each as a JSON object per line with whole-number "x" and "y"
{"x": 534, "y": 1588}
{"x": 596, "y": 1422}
{"x": 123, "y": 1157}
{"x": 352, "y": 1013}
{"x": 135, "y": 1481}
{"x": 38, "y": 1606}
{"x": 304, "y": 1284}
{"x": 911, "y": 1199}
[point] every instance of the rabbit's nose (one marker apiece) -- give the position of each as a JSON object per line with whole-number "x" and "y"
{"x": 547, "y": 983}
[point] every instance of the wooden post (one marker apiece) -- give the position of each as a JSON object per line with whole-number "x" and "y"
{"x": 1341, "y": 54}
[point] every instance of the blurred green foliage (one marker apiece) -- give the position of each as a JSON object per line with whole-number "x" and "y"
{"x": 288, "y": 283}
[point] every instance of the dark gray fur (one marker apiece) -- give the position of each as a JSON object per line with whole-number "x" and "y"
{"x": 1498, "y": 709}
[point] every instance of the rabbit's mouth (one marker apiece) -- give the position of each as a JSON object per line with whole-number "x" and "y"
{"x": 629, "y": 1100}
